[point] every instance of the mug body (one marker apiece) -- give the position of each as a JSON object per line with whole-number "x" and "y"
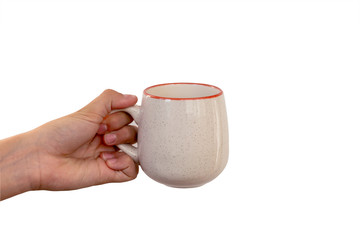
{"x": 183, "y": 134}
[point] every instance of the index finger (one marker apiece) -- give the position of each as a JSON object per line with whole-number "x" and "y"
{"x": 108, "y": 101}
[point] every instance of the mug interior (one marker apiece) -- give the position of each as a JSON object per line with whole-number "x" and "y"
{"x": 183, "y": 91}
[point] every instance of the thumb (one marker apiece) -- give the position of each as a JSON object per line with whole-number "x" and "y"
{"x": 108, "y": 101}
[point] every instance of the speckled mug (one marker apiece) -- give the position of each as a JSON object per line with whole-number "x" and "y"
{"x": 182, "y": 135}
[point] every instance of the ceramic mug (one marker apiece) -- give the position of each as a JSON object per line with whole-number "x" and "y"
{"x": 182, "y": 133}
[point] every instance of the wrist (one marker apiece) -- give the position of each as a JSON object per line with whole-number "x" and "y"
{"x": 18, "y": 165}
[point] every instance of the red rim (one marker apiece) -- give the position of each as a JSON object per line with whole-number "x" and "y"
{"x": 184, "y": 83}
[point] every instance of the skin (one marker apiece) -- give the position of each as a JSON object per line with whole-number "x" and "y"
{"x": 72, "y": 152}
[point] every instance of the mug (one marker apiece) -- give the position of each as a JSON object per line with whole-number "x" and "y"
{"x": 182, "y": 133}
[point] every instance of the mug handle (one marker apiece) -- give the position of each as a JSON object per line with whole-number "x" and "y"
{"x": 129, "y": 149}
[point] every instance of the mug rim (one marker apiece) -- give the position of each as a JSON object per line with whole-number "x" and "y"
{"x": 183, "y": 83}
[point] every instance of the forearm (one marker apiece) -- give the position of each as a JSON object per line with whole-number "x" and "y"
{"x": 17, "y": 165}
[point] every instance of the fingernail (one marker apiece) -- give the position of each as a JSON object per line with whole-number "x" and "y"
{"x": 102, "y": 128}
{"x": 107, "y": 155}
{"x": 110, "y": 138}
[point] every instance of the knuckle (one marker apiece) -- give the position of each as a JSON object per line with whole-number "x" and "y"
{"x": 128, "y": 160}
{"x": 128, "y": 132}
{"x": 124, "y": 118}
{"x": 128, "y": 117}
{"x": 132, "y": 171}
{"x": 108, "y": 92}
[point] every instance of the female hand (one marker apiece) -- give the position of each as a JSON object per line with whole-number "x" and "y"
{"x": 72, "y": 152}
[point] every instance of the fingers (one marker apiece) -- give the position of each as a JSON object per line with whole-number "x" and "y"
{"x": 116, "y": 130}
{"x": 113, "y": 125}
{"x": 114, "y": 122}
{"x": 127, "y": 134}
{"x": 124, "y": 167}
{"x": 117, "y": 120}
{"x": 109, "y": 100}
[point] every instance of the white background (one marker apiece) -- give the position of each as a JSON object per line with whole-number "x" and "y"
{"x": 290, "y": 71}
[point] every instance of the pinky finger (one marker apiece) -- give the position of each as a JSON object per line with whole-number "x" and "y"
{"x": 121, "y": 163}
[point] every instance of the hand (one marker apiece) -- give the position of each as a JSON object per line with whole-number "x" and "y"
{"x": 78, "y": 150}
